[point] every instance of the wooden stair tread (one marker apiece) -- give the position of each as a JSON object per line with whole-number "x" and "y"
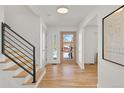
{"x": 3, "y": 60}
{"x": 22, "y": 74}
{"x": 11, "y": 68}
{"x": 15, "y": 67}
{"x": 38, "y": 74}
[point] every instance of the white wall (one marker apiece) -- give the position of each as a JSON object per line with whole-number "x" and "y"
{"x": 109, "y": 74}
{"x": 50, "y": 32}
{"x": 80, "y": 50}
{"x": 81, "y": 34}
{"x": 22, "y": 20}
{"x": 90, "y": 44}
{"x": 43, "y": 43}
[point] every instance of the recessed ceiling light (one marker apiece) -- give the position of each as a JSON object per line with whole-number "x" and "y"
{"x": 62, "y": 10}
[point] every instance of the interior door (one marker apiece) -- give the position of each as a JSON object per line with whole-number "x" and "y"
{"x": 68, "y": 47}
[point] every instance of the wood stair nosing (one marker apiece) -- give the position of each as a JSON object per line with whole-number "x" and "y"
{"x": 22, "y": 74}
{"x": 38, "y": 74}
{"x": 3, "y": 60}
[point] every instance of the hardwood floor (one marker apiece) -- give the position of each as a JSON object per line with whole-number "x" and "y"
{"x": 69, "y": 76}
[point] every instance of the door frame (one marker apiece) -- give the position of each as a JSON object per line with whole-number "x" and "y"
{"x": 61, "y": 44}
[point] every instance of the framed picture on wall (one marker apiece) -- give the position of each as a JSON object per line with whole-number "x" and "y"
{"x": 113, "y": 37}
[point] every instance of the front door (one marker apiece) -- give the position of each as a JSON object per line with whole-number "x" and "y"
{"x": 68, "y": 47}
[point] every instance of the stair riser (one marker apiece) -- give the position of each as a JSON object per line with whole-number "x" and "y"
{"x": 2, "y": 66}
{"x": 2, "y": 58}
{"x": 9, "y": 64}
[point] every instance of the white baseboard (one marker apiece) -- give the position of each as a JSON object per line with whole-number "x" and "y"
{"x": 80, "y": 65}
{"x": 98, "y": 86}
{"x": 40, "y": 79}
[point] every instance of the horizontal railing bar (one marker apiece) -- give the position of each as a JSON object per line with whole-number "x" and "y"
{"x": 18, "y": 45}
{"x": 20, "y": 60}
{"x": 18, "y": 40}
{"x": 17, "y": 34}
{"x": 17, "y": 63}
{"x": 17, "y": 57}
{"x": 19, "y": 50}
{"x": 20, "y": 55}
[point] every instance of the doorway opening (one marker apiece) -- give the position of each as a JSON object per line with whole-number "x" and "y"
{"x": 91, "y": 46}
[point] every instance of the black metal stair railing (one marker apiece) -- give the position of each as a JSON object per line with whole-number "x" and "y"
{"x": 19, "y": 50}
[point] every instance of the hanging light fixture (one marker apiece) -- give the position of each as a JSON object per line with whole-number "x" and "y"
{"x": 62, "y": 10}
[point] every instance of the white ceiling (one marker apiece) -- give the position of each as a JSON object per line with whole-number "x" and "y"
{"x": 76, "y": 14}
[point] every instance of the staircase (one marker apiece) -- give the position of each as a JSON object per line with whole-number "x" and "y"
{"x": 20, "y": 57}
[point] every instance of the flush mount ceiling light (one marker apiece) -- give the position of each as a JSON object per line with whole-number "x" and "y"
{"x": 62, "y": 10}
